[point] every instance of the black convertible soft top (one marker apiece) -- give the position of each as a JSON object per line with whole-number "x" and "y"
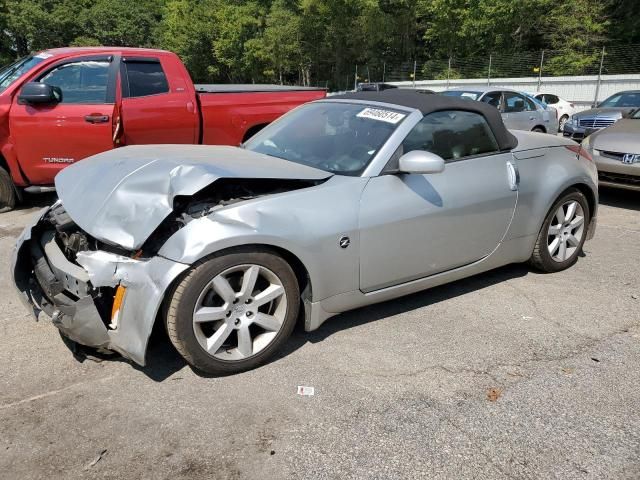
{"x": 428, "y": 103}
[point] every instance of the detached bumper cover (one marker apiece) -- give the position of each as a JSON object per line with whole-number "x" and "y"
{"x": 69, "y": 293}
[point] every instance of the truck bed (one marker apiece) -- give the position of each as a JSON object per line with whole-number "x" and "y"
{"x": 231, "y": 113}
{"x": 251, "y": 88}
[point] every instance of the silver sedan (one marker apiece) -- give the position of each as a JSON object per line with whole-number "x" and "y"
{"x": 519, "y": 110}
{"x": 341, "y": 203}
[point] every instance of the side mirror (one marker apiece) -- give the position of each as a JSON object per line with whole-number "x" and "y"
{"x": 421, "y": 162}
{"x": 35, "y": 93}
{"x": 595, "y": 105}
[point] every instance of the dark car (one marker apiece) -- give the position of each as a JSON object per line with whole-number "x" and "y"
{"x": 603, "y": 115}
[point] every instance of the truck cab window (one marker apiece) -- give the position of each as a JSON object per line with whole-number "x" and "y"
{"x": 83, "y": 82}
{"x": 144, "y": 78}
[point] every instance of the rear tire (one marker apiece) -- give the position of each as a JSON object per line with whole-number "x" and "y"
{"x": 7, "y": 192}
{"x": 563, "y": 233}
{"x": 231, "y": 313}
{"x": 538, "y": 129}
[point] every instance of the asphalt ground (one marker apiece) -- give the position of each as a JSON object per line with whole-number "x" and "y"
{"x": 509, "y": 374}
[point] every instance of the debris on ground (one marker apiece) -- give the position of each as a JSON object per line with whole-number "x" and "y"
{"x": 494, "y": 394}
{"x": 97, "y": 459}
{"x": 306, "y": 391}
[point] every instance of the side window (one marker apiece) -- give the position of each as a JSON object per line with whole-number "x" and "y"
{"x": 514, "y": 103}
{"x": 493, "y": 98}
{"x": 144, "y": 78}
{"x": 551, "y": 99}
{"x": 452, "y": 134}
{"x": 530, "y": 105}
{"x": 81, "y": 82}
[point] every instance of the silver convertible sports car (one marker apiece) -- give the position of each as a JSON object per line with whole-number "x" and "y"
{"x": 341, "y": 203}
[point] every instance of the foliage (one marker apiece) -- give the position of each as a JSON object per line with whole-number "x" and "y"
{"x": 322, "y": 41}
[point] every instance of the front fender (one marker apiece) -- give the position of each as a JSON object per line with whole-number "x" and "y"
{"x": 308, "y": 223}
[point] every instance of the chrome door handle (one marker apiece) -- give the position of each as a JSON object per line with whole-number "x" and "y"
{"x": 96, "y": 118}
{"x": 514, "y": 176}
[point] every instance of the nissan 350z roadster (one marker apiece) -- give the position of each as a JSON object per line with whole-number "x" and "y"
{"x": 341, "y": 203}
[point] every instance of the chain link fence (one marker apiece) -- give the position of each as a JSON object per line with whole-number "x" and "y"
{"x": 608, "y": 60}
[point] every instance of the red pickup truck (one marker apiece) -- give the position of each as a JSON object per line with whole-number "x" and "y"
{"x": 62, "y": 105}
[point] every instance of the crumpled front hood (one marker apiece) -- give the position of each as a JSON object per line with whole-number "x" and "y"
{"x": 121, "y": 196}
{"x": 622, "y": 137}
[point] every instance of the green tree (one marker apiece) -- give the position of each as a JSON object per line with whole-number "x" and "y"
{"x": 575, "y": 29}
{"x": 278, "y": 47}
{"x": 189, "y": 28}
{"x": 122, "y": 22}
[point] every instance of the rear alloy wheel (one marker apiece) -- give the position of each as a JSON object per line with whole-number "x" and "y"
{"x": 7, "y": 192}
{"x": 232, "y": 312}
{"x": 563, "y": 233}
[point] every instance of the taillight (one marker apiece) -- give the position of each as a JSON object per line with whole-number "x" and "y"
{"x": 580, "y": 152}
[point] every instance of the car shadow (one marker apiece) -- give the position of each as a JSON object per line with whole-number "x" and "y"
{"x": 432, "y": 296}
{"x": 163, "y": 360}
{"x": 617, "y": 197}
{"x": 36, "y": 200}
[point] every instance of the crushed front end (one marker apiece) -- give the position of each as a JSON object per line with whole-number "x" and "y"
{"x": 96, "y": 294}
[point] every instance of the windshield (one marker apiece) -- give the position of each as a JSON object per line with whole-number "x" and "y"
{"x": 463, "y": 94}
{"x": 11, "y": 73}
{"x": 341, "y": 138}
{"x": 623, "y": 99}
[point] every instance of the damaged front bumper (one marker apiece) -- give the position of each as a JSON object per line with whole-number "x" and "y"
{"x": 79, "y": 297}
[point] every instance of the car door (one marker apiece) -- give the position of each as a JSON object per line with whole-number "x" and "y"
{"x": 413, "y": 226}
{"x": 156, "y": 107}
{"x": 519, "y": 112}
{"x": 49, "y": 137}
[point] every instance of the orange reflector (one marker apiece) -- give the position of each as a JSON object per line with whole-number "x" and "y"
{"x": 117, "y": 303}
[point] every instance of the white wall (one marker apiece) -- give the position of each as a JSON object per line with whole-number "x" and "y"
{"x": 579, "y": 89}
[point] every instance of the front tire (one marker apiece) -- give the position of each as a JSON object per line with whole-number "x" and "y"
{"x": 7, "y": 192}
{"x": 563, "y": 233}
{"x": 232, "y": 312}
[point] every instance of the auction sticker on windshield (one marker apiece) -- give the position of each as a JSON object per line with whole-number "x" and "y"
{"x": 381, "y": 115}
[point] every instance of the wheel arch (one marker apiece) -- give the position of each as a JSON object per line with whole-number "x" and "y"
{"x": 582, "y": 188}
{"x": 297, "y": 265}
{"x": 539, "y": 127}
{"x": 251, "y": 131}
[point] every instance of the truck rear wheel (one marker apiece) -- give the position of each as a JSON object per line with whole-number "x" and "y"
{"x": 7, "y": 192}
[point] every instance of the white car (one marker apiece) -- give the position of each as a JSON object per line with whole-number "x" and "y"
{"x": 565, "y": 109}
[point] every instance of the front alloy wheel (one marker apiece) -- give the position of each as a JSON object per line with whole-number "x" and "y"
{"x": 240, "y": 312}
{"x": 231, "y": 312}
